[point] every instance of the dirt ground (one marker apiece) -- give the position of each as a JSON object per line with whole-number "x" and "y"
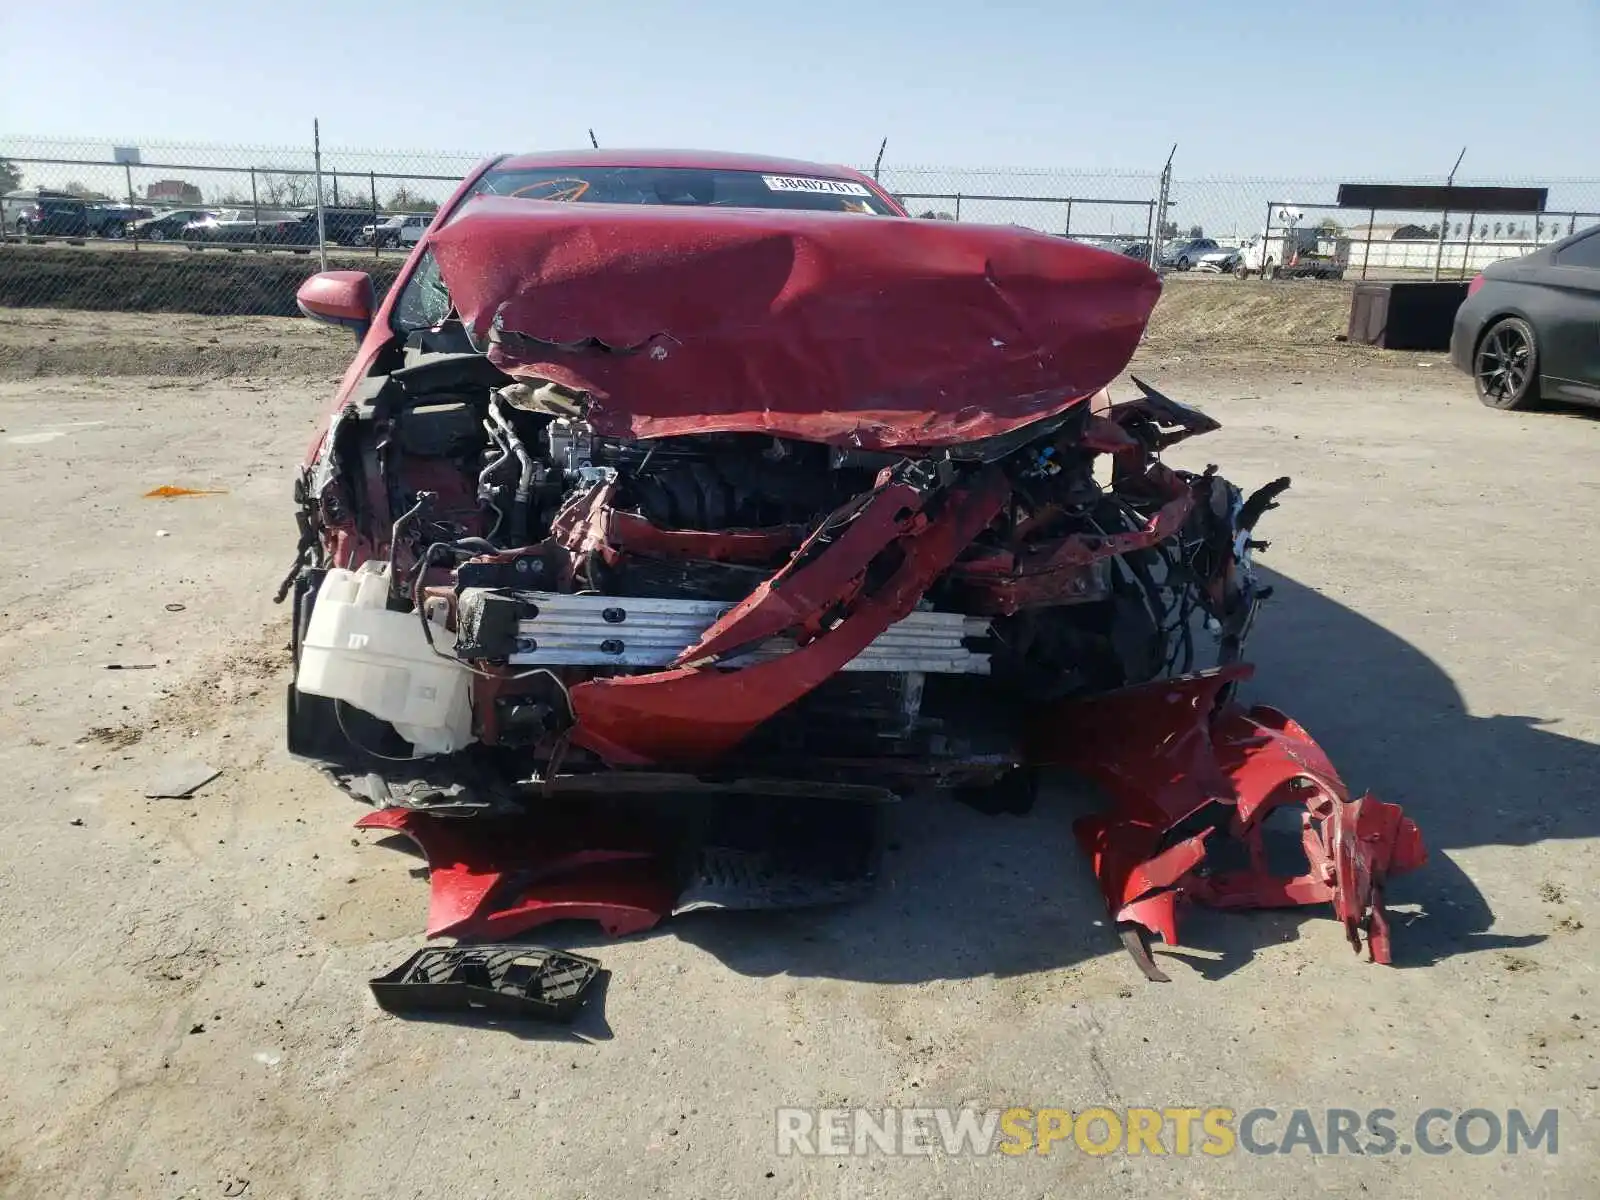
{"x": 183, "y": 982}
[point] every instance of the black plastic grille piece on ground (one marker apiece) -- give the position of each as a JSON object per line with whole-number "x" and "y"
{"x": 524, "y": 981}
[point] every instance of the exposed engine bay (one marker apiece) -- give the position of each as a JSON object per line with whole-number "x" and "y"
{"x": 505, "y": 597}
{"x": 539, "y": 557}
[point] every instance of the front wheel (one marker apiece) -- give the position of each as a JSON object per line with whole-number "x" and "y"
{"x": 1270, "y": 271}
{"x": 1506, "y": 366}
{"x": 1183, "y": 264}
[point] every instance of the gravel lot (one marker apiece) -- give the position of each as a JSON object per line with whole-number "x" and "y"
{"x": 183, "y": 983}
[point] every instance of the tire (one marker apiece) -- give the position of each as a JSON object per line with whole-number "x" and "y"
{"x": 1270, "y": 271}
{"x": 1241, "y": 272}
{"x": 157, "y": 234}
{"x": 1183, "y": 264}
{"x": 1505, "y": 365}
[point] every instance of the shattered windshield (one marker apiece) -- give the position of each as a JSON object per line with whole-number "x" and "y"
{"x": 425, "y": 301}
{"x": 684, "y": 185}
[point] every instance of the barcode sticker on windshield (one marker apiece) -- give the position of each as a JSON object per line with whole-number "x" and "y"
{"x": 828, "y": 187}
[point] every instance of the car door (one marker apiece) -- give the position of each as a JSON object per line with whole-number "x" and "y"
{"x": 1566, "y": 319}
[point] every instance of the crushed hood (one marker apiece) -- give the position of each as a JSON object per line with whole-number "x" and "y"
{"x": 878, "y": 332}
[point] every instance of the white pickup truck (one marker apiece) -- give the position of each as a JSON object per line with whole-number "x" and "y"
{"x": 1293, "y": 251}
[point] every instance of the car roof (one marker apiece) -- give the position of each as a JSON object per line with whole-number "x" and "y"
{"x": 1543, "y": 256}
{"x": 704, "y": 159}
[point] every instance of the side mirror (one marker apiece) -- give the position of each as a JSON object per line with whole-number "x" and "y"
{"x": 339, "y": 298}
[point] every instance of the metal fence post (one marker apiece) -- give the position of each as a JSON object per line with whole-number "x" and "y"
{"x": 127, "y": 170}
{"x": 255, "y": 205}
{"x": 372, "y": 182}
{"x": 1266, "y": 237}
{"x": 1163, "y": 197}
{"x": 1154, "y": 261}
{"x": 1366, "y": 242}
{"x": 1466, "y": 249}
{"x": 958, "y": 206}
{"x": 322, "y": 228}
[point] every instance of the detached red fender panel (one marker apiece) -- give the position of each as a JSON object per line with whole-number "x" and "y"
{"x": 874, "y": 332}
{"x": 1176, "y": 753}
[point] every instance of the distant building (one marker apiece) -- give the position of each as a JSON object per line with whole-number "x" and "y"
{"x": 1380, "y": 232}
{"x": 173, "y": 190}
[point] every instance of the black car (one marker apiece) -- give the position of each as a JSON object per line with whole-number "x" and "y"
{"x": 168, "y": 226}
{"x": 51, "y": 214}
{"x": 234, "y": 228}
{"x": 344, "y": 225}
{"x": 1529, "y": 328}
{"x": 111, "y": 220}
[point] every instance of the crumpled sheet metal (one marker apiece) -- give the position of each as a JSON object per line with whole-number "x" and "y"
{"x": 646, "y": 847}
{"x": 877, "y": 332}
{"x": 1180, "y": 756}
{"x": 698, "y": 713}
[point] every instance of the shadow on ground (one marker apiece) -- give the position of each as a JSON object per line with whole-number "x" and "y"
{"x": 1567, "y": 408}
{"x": 968, "y": 895}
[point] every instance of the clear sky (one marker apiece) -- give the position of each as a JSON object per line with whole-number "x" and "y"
{"x": 1364, "y": 87}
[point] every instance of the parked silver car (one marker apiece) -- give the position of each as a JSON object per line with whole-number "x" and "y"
{"x": 1185, "y": 252}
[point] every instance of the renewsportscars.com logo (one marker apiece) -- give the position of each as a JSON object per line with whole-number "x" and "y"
{"x": 1213, "y": 1132}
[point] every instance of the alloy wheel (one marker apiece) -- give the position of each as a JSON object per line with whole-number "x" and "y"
{"x": 1504, "y": 361}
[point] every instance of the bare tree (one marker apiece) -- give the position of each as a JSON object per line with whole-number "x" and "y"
{"x": 278, "y": 188}
{"x": 83, "y": 191}
{"x": 10, "y": 176}
{"x": 403, "y": 199}
{"x": 1196, "y": 231}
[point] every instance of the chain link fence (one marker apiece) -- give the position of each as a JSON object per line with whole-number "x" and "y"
{"x": 234, "y": 230}
{"x": 1284, "y": 214}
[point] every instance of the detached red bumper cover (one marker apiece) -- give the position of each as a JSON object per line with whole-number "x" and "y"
{"x": 1180, "y": 755}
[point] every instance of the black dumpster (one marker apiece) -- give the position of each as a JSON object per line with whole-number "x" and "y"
{"x": 1402, "y": 315}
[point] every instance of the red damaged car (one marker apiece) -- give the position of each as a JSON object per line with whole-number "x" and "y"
{"x": 679, "y": 510}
